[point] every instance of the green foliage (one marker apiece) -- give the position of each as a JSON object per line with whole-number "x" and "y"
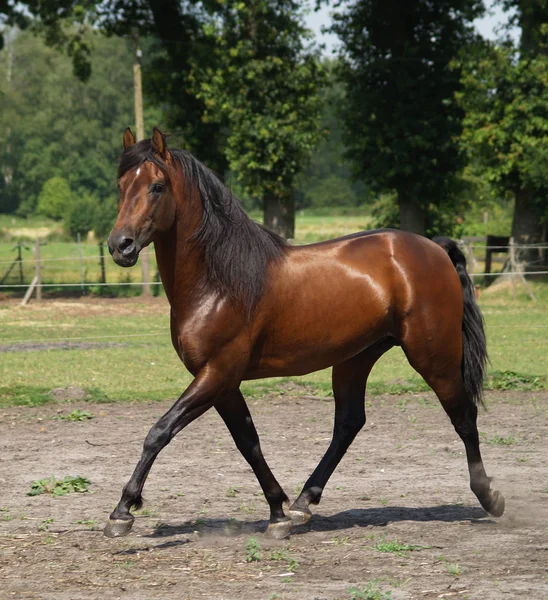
{"x": 82, "y": 216}
{"x": 327, "y": 180}
{"x": 253, "y": 550}
{"x": 75, "y": 415}
{"x": 59, "y": 487}
{"x": 57, "y": 127}
{"x": 264, "y": 89}
{"x": 55, "y": 198}
{"x": 510, "y": 380}
{"x": 396, "y": 547}
{"x": 371, "y": 591}
{"x": 505, "y": 130}
{"x": 105, "y": 217}
{"x": 401, "y": 122}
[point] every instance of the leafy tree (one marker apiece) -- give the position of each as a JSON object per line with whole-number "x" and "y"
{"x": 105, "y": 217}
{"x": 82, "y": 216}
{"x": 55, "y": 198}
{"x": 327, "y": 180}
{"x": 506, "y": 133}
{"x": 264, "y": 88}
{"x": 53, "y": 125}
{"x": 401, "y": 122}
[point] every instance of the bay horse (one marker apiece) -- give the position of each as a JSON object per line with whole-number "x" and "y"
{"x": 247, "y": 305}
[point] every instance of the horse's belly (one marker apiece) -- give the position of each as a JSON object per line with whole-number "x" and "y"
{"x": 309, "y": 353}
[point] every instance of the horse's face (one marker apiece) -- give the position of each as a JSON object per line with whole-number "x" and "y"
{"x": 146, "y": 205}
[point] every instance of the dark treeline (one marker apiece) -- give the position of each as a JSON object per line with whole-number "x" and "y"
{"x": 418, "y": 120}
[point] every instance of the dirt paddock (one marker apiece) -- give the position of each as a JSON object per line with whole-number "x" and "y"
{"x": 402, "y": 488}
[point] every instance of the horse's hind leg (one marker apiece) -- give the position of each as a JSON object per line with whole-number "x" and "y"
{"x": 441, "y": 368}
{"x": 234, "y": 412}
{"x": 349, "y": 380}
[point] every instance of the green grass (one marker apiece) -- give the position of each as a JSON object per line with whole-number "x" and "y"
{"x": 59, "y": 487}
{"x": 133, "y": 358}
{"x": 396, "y": 547}
{"x": 371, "y": 591}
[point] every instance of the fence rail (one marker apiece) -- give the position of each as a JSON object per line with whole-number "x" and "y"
{"x": 50, "y": 268}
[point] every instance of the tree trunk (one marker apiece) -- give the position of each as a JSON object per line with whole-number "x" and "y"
{"x": 526, "y": 225}
{"x": 279, "y": 215}
{"x": 412, "y": 217}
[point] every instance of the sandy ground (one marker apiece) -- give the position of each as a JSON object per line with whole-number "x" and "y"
{"x": 404, "y": 481}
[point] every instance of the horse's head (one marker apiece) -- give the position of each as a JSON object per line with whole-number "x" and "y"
{"x": 146, "y": 206}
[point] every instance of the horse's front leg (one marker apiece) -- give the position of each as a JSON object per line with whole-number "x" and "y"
{"x": 234, "y": 412}
{"x": 200, "y": 395}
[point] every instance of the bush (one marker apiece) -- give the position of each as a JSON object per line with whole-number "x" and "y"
{"x": 82, "y": 216}
{"x": 55, "y": 199}
{"x": 105, "y": 218}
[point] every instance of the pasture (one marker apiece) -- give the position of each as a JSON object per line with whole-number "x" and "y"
{"x": 82, "y": 382}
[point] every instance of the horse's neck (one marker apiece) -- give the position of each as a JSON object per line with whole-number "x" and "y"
{"x": 181, "y": 265}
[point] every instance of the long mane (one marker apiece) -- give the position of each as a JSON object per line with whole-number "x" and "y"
{"x": 238, "y": 251}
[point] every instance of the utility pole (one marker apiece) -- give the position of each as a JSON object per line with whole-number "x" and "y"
{"x": 140, "y": 127}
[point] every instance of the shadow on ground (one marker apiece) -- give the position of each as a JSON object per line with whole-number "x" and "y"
{"x": 363, "y": 517}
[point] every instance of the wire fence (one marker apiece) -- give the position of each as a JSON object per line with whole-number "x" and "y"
{"x": 65, "y": 268}
{"x": 85, "y": 268}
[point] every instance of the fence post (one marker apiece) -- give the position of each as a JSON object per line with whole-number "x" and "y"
{"x": 102, "y": 262}
{"x": 145, "y": 266}
{"x": 38, "y": 270}
{"x": 78, "y": 237}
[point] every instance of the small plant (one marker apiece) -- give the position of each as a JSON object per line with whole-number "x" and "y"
{"x": 371, "y": 591}
{"x": 59, "y": 487}
{"x": 279, "y": 554}
{"x": 395, "y": 547}
{"x": 292, "y": 565}
{"x": 383, "y": 501}
{"x": 75, "y": 415}
{"x": 44, "y": 526}
{"x": 231, "y": 492}
{"x": 85, "y": 522}
{"x": 253, "y": 550}
{"x": 453, "y": 570}
{"x": 501, "y": 440}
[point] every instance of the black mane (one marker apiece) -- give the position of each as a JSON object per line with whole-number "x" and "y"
{"x": 237, "y": 250}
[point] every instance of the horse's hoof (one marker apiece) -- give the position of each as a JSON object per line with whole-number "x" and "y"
{"x": 497, "y": 504}
{"x": 117, "y": 527}
{"x": 280, "y": 529}
{"x": 299, "y": 517}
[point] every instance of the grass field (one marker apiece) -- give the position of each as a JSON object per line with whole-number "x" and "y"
{"x": 127, "y": 352}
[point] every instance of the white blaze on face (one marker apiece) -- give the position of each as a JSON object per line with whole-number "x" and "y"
{"x": 138, "y": 171}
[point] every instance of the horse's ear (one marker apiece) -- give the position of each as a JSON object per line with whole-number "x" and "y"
{"x": 159, "y": 143}
{"x": 129, "y": 138}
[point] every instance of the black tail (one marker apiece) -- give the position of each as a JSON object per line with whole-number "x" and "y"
{"x": 474, "y": 347}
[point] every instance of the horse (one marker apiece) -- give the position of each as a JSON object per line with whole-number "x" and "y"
{"x": 246, "y": 305}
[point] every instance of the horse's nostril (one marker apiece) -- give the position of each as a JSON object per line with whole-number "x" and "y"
{"x": 125, "y": 244}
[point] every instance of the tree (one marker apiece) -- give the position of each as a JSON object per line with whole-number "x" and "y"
{"x": 401, "y": 122}
{"x": 174, "y": 38}
{"x": 55, "y": 199}
{"x": 264, "y": 89}
{"x": 75, "y": 134}
{"x": 505, "y": 97}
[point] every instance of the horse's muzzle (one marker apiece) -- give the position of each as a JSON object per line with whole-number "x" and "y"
{"x": 123, "y": 249}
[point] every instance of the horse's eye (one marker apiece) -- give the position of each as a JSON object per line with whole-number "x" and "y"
{"x": 157, "y": 188}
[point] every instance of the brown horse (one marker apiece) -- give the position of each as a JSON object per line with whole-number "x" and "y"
{"x": 245, "y": 305}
